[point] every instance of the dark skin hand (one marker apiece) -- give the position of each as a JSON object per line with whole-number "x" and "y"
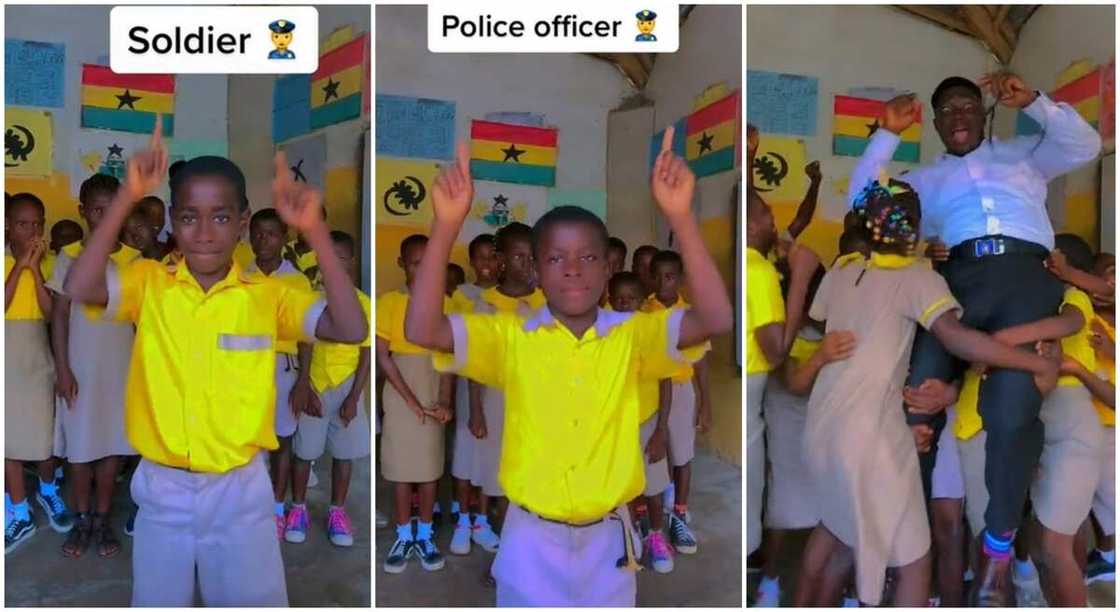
{"x": 808, "y": 206}
{"x": 658, "y": 445}
{"x": 930, "y": 397}
{"x": 349, "y": 408}
{"x": 974, "y": 346}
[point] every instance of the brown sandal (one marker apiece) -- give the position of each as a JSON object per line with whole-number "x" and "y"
{"x": 107, "y": 542}
{"x": 77, "y": 541}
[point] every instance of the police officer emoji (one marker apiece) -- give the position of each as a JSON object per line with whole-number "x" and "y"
{"x": 281, "y": 39}
{"x": 645, "y": 25}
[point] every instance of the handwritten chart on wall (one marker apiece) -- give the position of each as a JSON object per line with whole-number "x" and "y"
{"x": 33, "y": 73}
{"x": 781, "y": 103}
{"x": 415, "y": 127}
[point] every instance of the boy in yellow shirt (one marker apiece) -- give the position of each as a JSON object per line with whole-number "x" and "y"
{"x": 570, "y": 458}
{"x": 202, "y": 487}
{"x": 336, "y": 421}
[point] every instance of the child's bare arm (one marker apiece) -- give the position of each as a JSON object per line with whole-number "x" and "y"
{"x": 974, "y": 346}
{"x": 477, "y": 421}
{"x": 672, "y": 184}
{"x": 425, "y": 324}
{"x": 361, "y": 375}
{"x": 65, "y": 385}
{"x": 803, "y": 262}
{"x": 770, "y": 340}
{"x": 11, "y": 284}
{"x": 396, "y": 380}
{"x": 703, "y": 396}
{"x": 85, "y": 282}
{"x": 1100, "y": 388}
{"x": 42, "y": 294}
{"x": 1067, "y": 323}
{"x": 808, "y": 206}
{"x": 836, "y": 346}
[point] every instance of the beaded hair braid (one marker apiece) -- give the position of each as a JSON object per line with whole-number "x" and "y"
{"x": 891, "y": 220}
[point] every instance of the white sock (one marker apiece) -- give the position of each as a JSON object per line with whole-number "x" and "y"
{"x": 769, "y": 585}
{"x": 1025, "y": 569}
{"x": 454, "y": 507}
{"x": 481, "y": 520}
{"x": 464, "y": 519}
{"x": 280, "y": 508}
{"x": 1109, "y": 555}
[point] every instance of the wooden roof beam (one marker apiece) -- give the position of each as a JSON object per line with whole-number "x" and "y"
{"x": 941, "y": 18}
{"x": 981, "y": 23}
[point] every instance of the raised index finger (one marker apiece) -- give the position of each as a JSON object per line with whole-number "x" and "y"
{"x": 280, "y": 163}
{"x": 157, "y": 134}
{"x": 667, "y": 139}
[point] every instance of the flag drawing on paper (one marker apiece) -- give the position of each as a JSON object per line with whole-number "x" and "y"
{"x": 1083, "y": 93}
{"x": 510, "y": 153}
{"x": 779, "y": 169}
{"x": 307, "y": 160}
{"x": 496, "y": 205}
{"x": 98, "y": 152}
{"x": 710, "y": 139}
{"x": 28, "y": 142}
{"x": 291, "y": 106}
{"x": 404, "y": 191}
{"x": 126, "y": 102}
{"x": 679, "y": 129}
{"x": 337, "y": 87}
{"x": 855, "y": 120}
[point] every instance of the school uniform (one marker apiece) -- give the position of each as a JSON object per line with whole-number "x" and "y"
{"x": 99, "y": 351}
{"x": 307, "y": 262}
{"x": 411, "y": 451}
{"x": 28, "y": 370}
{"x": 649, "y": 402}
{"x": 571, "y": 460}
{"x": 764, "y": 307}
{"x": 1104, "y": 499}
{"x": 200, "y": 408}
{"x": 788, "y": 483}
{"x": 333, "y": 368}
{"x": 857, "y": 444}
{"x": 682, "y": 413}
{"x": 287, "y": 352}
{"x": 462, "y": 440}
{"x": 1069, "y": 467}
{"x": 488, "y": 450}
{"x": 971, "y": 439}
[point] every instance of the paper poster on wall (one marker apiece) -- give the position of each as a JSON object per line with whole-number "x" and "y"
{"x": 1080, "y": 86}
{"x": 186, "y": 150}
{"x": 402, "y": 193}
{"x": 101, "y": 152}
{"x": 517, "y": 118}
{"x": 680, "y": 133}
{"x": 33, "y": 73}
{"x": 291, "y": 106}
{"x": 589, "y": 199}
{"x": 307, "y": 159}
{"x": 712, "y": 135}
{"x": 415, "y": 127}
{"x": 855, "y": 120}
{"x": 510, "y": 153}
{"x": 127, "y": 102}
{"x": 338, "y": 86}
{"x": 496, "y": 205}
{"x": 873, "y": 92}
{"x": 28, "y": 142}
{"x": 782, "y": 103}
{"x": 779, "y": 169}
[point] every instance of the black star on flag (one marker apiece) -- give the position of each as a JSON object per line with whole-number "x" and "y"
{"x": 127, "y": 99}
{"x": 500, "y": 200}
{"x": 116, "y": 149}
{"x": 330, "y": 89}
{"x": 513, "y": 153}
{"x": 705, "y": 142}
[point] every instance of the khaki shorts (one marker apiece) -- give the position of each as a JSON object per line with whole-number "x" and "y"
{"x": 1069, "y": 468}
{"x": 657, "y": 474}
{"x": 1104, "y": 500}
{"x": 317, "y": 434}
{"x": 682, "y": 424}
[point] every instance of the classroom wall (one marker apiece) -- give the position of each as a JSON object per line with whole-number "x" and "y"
{"x": 1055, "y": 37}
{"x": 855, "y": 46}
{"x": 200, "y": 103}
{"x": 575, "y": 92}
{"x": 252, "y": 147}
{"x": 710, "y": 53}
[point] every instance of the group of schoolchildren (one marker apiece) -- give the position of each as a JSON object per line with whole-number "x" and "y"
{"x": 212, "y": 360}
{"x": 576, "y": 389}
{"x": 827, "y": 358}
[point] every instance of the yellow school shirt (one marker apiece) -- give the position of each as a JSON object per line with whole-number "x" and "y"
{"x": 505, "y": 303}
{"x": 243, "y": 255}
{"x": 571, "y": 449}
{"x": 1106, "y": 369}
{"x": 652, "y": 304}
{"x": 333, "y": 362}
{"x": 25, "y": 306}
{"x": 124, "y": 256}
{"x": 389, "y": 323}
{"x": 294, "y": 279}
{"x": 201, "y": 392}
{"x": 803, "y": 349}
{"x": 460, "y": 302}
{"x": 969, "y": 421}
{"x": 764, "y": 306}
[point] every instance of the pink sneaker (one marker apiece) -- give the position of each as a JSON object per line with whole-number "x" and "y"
{"x": 295, "y": 531}
{"x": 338, "y": 527}
{"x": 660, "y": 555}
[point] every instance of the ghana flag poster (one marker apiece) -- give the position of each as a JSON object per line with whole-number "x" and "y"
{"x": 509, "y": 153}
{"x": 126, "y": 102}
{"x": 338, "y": 86}
{"x": 855, "y": 120}
{"x": 711, "y": 135}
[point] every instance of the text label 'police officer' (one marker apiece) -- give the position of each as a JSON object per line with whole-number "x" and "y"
{"x": 561, "y": 26}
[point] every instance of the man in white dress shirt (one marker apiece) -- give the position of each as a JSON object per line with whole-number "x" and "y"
{"x": 985, "y": 199}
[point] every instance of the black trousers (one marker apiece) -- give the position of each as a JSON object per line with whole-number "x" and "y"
{"x": 996, "y": 292}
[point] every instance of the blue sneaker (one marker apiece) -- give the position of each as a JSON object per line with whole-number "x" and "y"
{"x": 59, "y": 517}
{"x": 1098, "y": 569}
{"x": 16, "y": 532}
{"x": 430, "y": 557}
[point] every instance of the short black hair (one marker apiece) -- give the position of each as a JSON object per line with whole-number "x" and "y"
{"x": 617, "y": 244}
{"x": 411, "y": 241}
{"x": 1076, "y": 250}
{"x": 15, "y": 200}
{"x": 266, "y": 214}
{"x": 667, "y": 256}
{"x": 63, "y": 225}
{"x": 210, "y": 165}
{"x": 454, "y": 267}
{"x": 510, "y": 233}
{"x": 623, "y": 278}
{"x": 341, "y": 237}
{"x": 951, "y": 82}
{"x": 175, "y": 167}
{"x": 149, "y": 199}
{"x": 569, "y": 214}
{"x": 96, "y": 184}
{"x": 478, "y": 242}
{"x": 642, "y": 250}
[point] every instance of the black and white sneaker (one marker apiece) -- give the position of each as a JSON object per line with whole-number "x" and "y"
{"x": 16, "y": 532}
{"x": 398, "y": 556}
{"x": 681, "y": 535}
{"x": 429, "y": 555}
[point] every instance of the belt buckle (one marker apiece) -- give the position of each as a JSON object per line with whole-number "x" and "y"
{"x": 988, "y": 246}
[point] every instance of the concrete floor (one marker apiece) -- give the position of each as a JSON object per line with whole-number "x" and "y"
{"x": 711, "y": 577}
{"x": 318, "y": 573}
{"x": 1101, "y": 594}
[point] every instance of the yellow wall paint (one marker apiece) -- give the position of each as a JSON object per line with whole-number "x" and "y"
{"x": 725, "y": 384}
{"x": 1083, "y": 217}
{"x": 341, "y": 194}
{"x": 388, "y": 239}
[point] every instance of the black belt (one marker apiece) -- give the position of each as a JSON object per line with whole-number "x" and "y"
{"x": 989, "y": 246}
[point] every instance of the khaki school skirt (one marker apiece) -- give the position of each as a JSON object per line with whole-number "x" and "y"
{"x": 411, "y": 451}
{"x": 28, "y": 391}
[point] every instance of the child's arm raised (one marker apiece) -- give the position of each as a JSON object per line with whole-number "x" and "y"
{"x": 672, "y": 185}
{"x": 300, "y": 207}
{"x": 974, "y": 346}
{"x": 85, "y": 283}
{"x": 1067, "y": 323}
{"x": 425, "y": 324}
{"x": 808, "y": 206}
